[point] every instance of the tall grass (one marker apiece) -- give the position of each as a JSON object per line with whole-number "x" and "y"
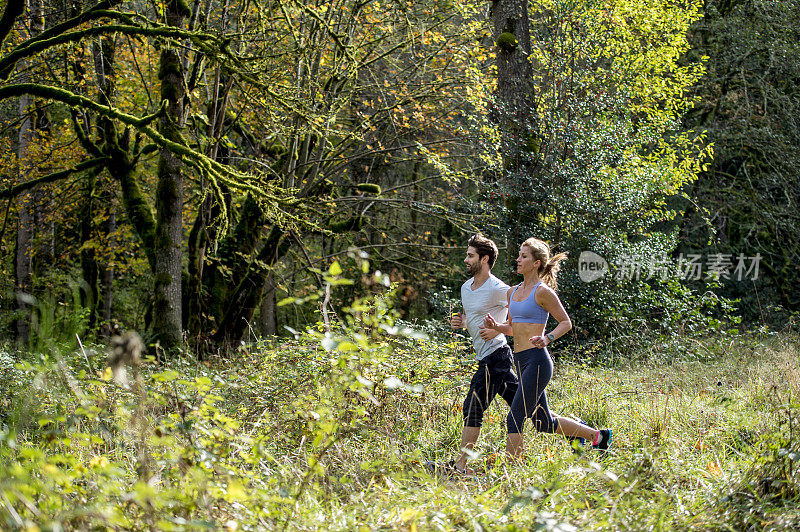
{"x": 331, "y": 430}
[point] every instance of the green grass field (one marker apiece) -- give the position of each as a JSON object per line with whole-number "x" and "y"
{"x": 332, "y": 434}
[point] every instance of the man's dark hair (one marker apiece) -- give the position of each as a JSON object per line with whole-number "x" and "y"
{"x": 485, "y": 248}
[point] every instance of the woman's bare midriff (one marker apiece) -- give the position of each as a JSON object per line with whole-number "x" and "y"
{"x": 523, "y": 333}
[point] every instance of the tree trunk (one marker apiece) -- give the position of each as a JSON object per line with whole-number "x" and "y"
{"x": 515, "y": 95}
{"x": 89, "y": 295}
{"x": 103, "y": 53}
{"x": 23, "y": 267}
{"x": 95, "y": 194}
{"x": 44, "y": 223}
{"x": 167, "y": 304}
{"x": 268, "y": 311}
{"x": 196, "y": 251}
{"x": 249, "y": 292}
{"x": 106, "y": 271}
{"x": 204, "y": 234}
{"x": 45, "y": 229}
{"x": 23, "y": 260}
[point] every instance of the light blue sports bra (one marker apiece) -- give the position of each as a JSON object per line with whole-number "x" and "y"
{"x": 527, "y": 311}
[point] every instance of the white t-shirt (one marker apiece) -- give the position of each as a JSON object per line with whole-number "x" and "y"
{"x": 490, "y": 298}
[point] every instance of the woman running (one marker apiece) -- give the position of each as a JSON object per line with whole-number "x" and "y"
{"x": 530, "y": 303}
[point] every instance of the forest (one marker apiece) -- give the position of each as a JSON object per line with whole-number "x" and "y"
{"x": 233, "y": 237}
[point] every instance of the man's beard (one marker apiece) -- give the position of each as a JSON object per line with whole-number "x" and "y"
{"x": 472, "y": 269}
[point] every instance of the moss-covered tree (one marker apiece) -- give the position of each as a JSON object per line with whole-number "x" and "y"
{"x": 515, "y": 103}
{"x": 168, "y": 241}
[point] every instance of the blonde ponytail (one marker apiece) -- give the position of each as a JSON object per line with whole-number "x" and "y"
{"x": 549, "y": 272}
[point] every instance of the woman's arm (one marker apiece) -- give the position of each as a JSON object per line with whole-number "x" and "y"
{"x": 549, "y": 301}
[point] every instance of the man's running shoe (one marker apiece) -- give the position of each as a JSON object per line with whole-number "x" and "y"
{"x": 447, "y": 469}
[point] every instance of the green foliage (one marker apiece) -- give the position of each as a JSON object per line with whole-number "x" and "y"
{"x": 765, "y": 494}
{"x": 329, "y": 430}
{"x": 605, "y": 161}
{"x": 184, "y": 448}
{"x": 58, "y": 318}
{"x": 746, "y": 199}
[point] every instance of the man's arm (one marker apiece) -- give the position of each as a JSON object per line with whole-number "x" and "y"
{"x": 491, "y": 324}
{"x": 458, "y": 320}
{"x": 488, "y": 334}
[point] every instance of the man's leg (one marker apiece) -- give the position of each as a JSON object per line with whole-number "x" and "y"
{"x": 479, "y": 397}
{"x": 497, "y": 378}
{"x": 508, "y": 390}
{"x": 469, "y": 435}
{"x": 507, "y": 379}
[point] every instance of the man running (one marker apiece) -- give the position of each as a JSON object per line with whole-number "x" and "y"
{"x": 482, "y": 294}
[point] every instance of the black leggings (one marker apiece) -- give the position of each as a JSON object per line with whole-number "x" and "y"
{"x": 535, "y": 368}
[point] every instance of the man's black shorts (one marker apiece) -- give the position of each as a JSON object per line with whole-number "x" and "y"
{"x": 495, "y": 375}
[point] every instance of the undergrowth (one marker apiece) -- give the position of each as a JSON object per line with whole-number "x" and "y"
{"x": 330, "y": 430}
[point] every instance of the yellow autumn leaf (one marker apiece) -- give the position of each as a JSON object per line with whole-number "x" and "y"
{"x": 409, "y": 514}
{"x": 98, "y": 461}
{"x": 235, "y": 490}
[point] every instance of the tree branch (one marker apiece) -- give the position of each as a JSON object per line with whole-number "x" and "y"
{"x": 34, "y": 46}
{"x": 12, "y": 11}
{"x": 138, "y": 209}
{"x": 281, "y": 201}
{"x": 11, "y": 192}
{"x": 74, "y": 100}
{"x": 100, "y": 10}
{"x": 83, "y": 136}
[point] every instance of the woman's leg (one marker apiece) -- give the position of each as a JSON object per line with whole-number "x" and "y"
{"x": 574, "y": 429}
{"x": 543, "y": 419}
{"x": 535, "y": 370}
{"x": 515, "y": 445}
